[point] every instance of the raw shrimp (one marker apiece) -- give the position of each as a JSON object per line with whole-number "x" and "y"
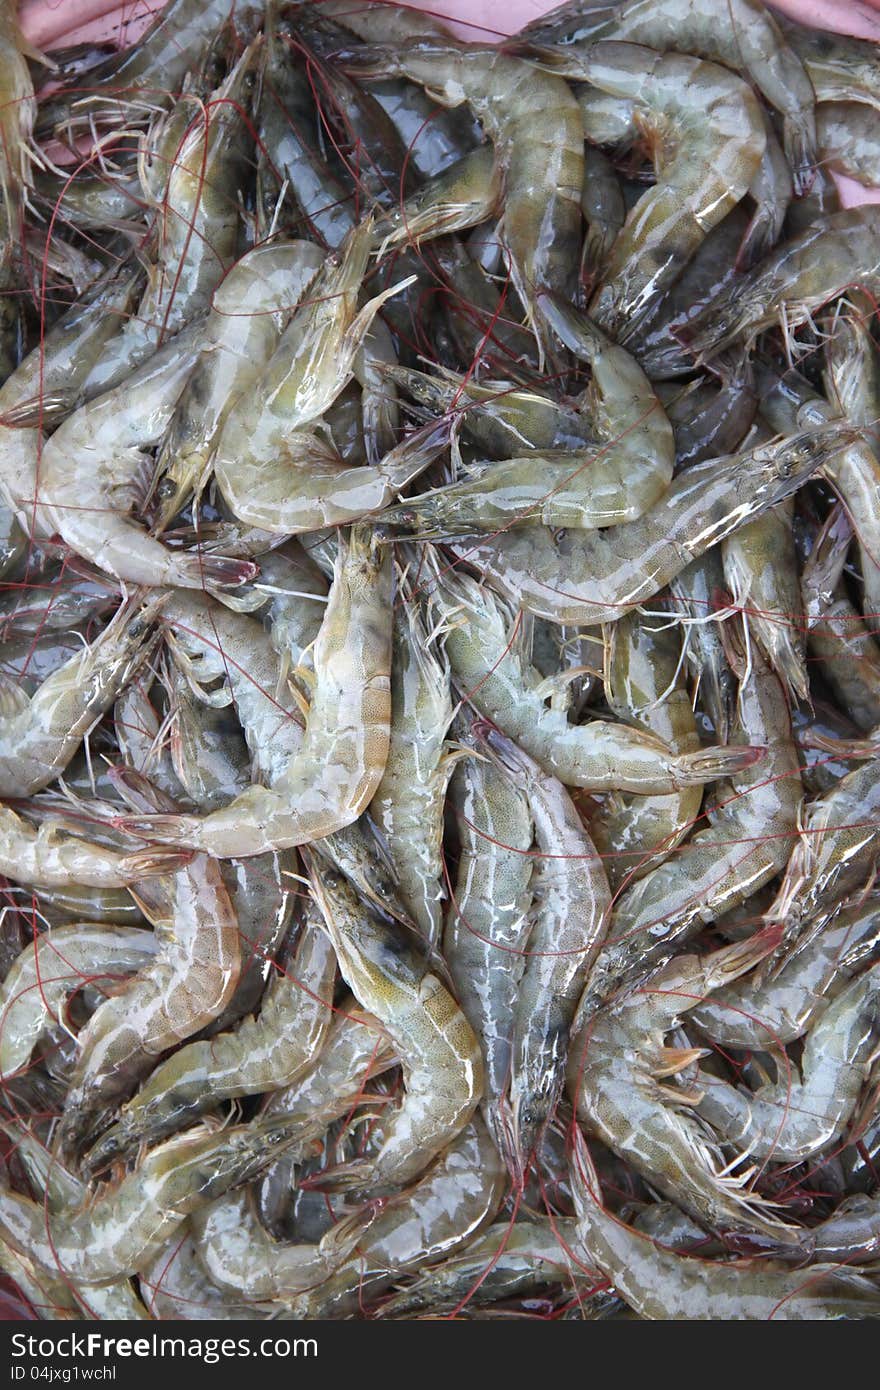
{"x": 840, "y": 640}
{"x": 504, "y": 1262}
{"x": 198, "y": 221}
{"x": 271, "y": 467}
{"x": 408, "y": 805}
{"x": 570, "y": 909}
{"x": 39, "y": 735}
{"x": 534, "y": 123}
{"x": 50, "y": 380}
{"x": 124, "y": 1225}
{"x": 657, "y": 1283}
{"x": 837, "y": 251}
{"x": 463, "y": 196}
{"x": 604, "y": 214}
{"x": 441, "y": 1058}
{"x": 852, "y": 370}
{"x": 848, "y": 139}
{"x": 189, "y": 983}
{"x": 840, "y": 67}
{"x": 264, "y": 1053}
{"x": 643, "y": 659}
{"x": 696, "y": 597}
{"x": 627, "y": 472}
{"x": 488, "y": 654}
{"x": 340, "y": 763}
{"x": 747, "y": 843}
{"x": 592, "y": 578}
{"x": 51, "y": 857}
{"x": 175, "y": 1285}
{"x": 707, "y": 140}
{"x": 618, "y": 1063}
{"x": 456, "y": 1198}
{"x": 789, "y": 1121}
{"x": 487, "y": 922}
{"x": 789, "y": 402}
{"x": 34, "y": 995}
{"x": 782, "y": 1009}
{"x": 17, "y": 112}
{"x": 760, "y": 568}
{"x": 95, "y": 469}
{"x": 248, "y": 314}
{"x": 744, "y": 36}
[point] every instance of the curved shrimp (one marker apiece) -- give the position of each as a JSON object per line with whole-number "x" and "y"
{"x": 617, "y": 1065}
{"x": 46, "y": 382}
{"x": 782, "y": 1009}
{"x": 263, "y": 1054}
{"x": 248, "y": 314}
{"x": 95, "y": 470}
{"x": 707, "y": 138}
{"x": 189, "y": 983}
{"x": 533, "y": 121}
{"x": 441, "y": 1058}
{"x": 34, "y": 994}
{"x": 840, "y": 67}
{"x": 334, "y": 775}
{"x": 746, "y": 845}
{"x": 40, "y": 734}
{"x": 590, "y": 579}
{"x": 695, "y": 597}
{"x": 790, "y": 1120}
{"x": 848, "y": 140}
{"x": 658, "y": 1283}
{"x": 492, "y": 667}
{"x": 837, "y": 252}
{"x": 621, "y": 477}
{"x": 122, "y": 1226}
{"x": 760, "y": 567}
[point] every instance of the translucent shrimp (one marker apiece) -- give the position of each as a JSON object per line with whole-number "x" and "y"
{"x": 248, "y": 313}
{"x": 124, "y": 1225}
{"x": 837, "y": 251}
{"x": 175, "y": 1285}
{"x": 271, "y": 430}
{"x": 264, "y": 1053}
{"x": 569, "y": 914}
{"x": 441, "y": 1058}
{"x": 96, "y": 469}
{"x": 487, "y": 921}
{"x": 840, "y": 640}
{"x": 441, "y": 1213}
{"x": 695, "y": 596}
{"x": 747, "y": 843}
{"x": 17, "y": 113}
{"x": 782, "y": 1009}
{"x": 335, "y": 774}
{"x": 789, "y": 402}
{"x": 848, "y": 140}
{"x": 604, "y": 214}
{"x": 616, "y": 481}
{"x": 488, "y": 655}
{"x": 835, "y": 854}
{"x": 533, "y": 121}
{"x": 504, "y": 1262}
{"x": 592, "y": 578}
{"x": 788, "y": 1120}
{"x": 658, "y": 1283}
{"x": 40, "y": 734}
{"x": 188, "y": 984}
{"x": 841, "y": 68}
{"x": 51, "y": 857}
{"x": 35, "y": 993}
{"x": 46, "y": 382}
{"x": 408, "y": 805}
{"x": 617, "y": 1068}
{"x": 852, "y": 365}
{"x": 707, "y": 138}
{"x": 760, "y": 567}
{"x": 643, "y": 659}
{"x": 464, "y": 195}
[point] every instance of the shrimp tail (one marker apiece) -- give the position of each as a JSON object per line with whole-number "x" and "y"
{"x": 148, "y": 863}
{"x": 170, "y": 830}
{"x": 217, "y": 571}
{"x": 713, "y": 764}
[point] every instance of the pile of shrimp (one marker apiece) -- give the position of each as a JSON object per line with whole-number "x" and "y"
{"x": 439, "y": 688}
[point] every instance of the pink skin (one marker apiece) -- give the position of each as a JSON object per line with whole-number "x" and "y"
{"x": 50, "y": 25}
